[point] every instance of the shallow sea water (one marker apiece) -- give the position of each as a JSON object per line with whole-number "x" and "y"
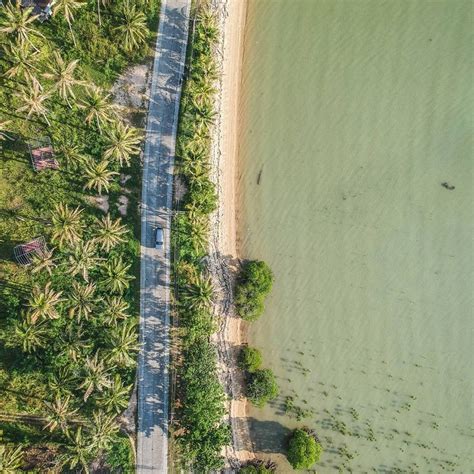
{"x": 354, "y": 113}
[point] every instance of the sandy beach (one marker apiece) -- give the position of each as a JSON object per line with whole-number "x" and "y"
{"x": 224, "y": 261}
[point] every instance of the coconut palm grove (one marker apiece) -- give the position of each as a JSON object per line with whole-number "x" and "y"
{"x": 69, "y": 256}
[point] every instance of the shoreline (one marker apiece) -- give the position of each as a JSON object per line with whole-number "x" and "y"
{"x": 224, "y": 261}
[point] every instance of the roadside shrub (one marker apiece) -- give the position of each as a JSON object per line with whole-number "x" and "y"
{"x": 203, "y": 409}
{"x": 261, "y": 387}
{"x": 303, "y": 450}
{"x": 258, "y": 466}
{"x": 255, "y": 282}
{"x": 202, "y": 192}
{"x": 250, "y": 359}
{"x": 120, "y": 457}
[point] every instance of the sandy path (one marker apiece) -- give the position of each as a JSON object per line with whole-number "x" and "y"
{"x": 223, "y": 252}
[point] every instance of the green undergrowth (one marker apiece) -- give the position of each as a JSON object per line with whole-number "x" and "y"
{"x": 200, "y": 430}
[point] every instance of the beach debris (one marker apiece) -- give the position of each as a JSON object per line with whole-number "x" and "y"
{"x": 448, "y": 186}
{"x": 259, "y": 177}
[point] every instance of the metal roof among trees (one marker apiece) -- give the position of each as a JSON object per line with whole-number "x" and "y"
{"x": 24, "y": 253}
{"x": 42, "y": 154}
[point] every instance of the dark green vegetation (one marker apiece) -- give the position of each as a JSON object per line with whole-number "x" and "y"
{"x": 255, "y": 282}
{"x": 68, "y": 336}
{"x": 250, "y": 359}
{"x": 120, "y": 456}
{"x": 258, "y": 466}
{"x": 200, "y": 397}
{"x": 261, "y": 387}
{"x": 303, "y": 449}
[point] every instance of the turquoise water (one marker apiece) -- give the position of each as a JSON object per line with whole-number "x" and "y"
{"x": 355, "y": 112}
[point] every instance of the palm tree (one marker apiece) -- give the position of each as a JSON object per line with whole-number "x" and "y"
{"x": 44, "y": 261}
{"x": 199, "y": 233}
{"x": 97, "y": 107}
{"x": 79, "y": 451}
{"x": 59, "y": 413}
{"x": 22, "y": 57}
{"x": 16, "y": 22}
{"x": 72, "y": 343}
{"x": 208, "y": 30}
{"x": 193, "y": 168}
{"x": 98, "y": 176}
{"x": 95, "y": 377}
{"x": 199, "y": 293}
{"x": 33, "y": 99}
{"x": 117, "y": 279}
{"x": 110, "y": 233}
{"x": 68, "y": 7}
{"x": 81, "y": 300}
{"x": 122, "y": 142}
{"x": 202, "y": 91}
{"x": 11, "y": 458}
{"x": 72, "y": 155}
{"x": 62, "y": 74}
{"x": 28, "y": 335}
{"x": 43, "y": 302}
{"x": 195, "y": 146}
{"x": 205, "y": 115}
{"x": 206, "y": 70}
{"x": 134, "y": 30}
{"x": 123, "y": 342}
{"x": 67, "y": 225}
{"x": 62, "y": 380}
{"x": 186, "y": 271}
{"x": 199, "y": 132}
{"x": 116, "y": 398}
{"x": 193, "y": 212}
{"x": 83, "y": 259}
{"x": 103, "y": 429}
{"x": 115, "y": 309}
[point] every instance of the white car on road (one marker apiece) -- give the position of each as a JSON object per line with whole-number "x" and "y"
{"x": 159, "y": 237}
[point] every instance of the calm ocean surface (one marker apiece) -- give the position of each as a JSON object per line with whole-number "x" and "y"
{"x": 354, "y": 112}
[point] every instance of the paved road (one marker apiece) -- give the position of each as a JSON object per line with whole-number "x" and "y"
{"x": 153, "y": 376}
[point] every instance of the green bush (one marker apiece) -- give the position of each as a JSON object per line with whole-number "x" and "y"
{"x": 203, "y": 192}
{"x": 303, "y": 450}
{"x": 255, "y": 282}
{"x": 120, "y": 455}
{"x": 203, "y": 408}
{"x": 258, "y": 466}
{"x": 261, "y": 387}
{"x": 250, "y": 359}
